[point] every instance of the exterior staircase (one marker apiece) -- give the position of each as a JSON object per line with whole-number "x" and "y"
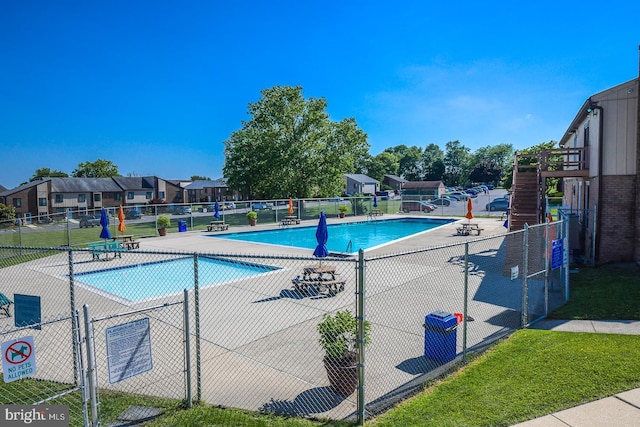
{"x": 530, "y": 171}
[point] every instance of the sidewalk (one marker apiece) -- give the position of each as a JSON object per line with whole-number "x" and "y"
{"x": 621, "y": 410}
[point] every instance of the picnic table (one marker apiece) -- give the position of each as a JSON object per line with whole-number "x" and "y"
{"x": 217, "y": 226}
{"x": 320, "y": 277}
{"x": 376, "y": 212}
{"x": 290, "y": 219}
{"x": 103, "y": 248}
{"x": 467, "y": 228}
{"x": 127, "y": 241}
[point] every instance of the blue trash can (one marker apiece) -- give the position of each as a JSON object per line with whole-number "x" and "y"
{"x": 182, "y": 226}
{"x": 440, "y": 336}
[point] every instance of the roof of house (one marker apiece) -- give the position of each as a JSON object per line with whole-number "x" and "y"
{"x": 395, "y": 178}
{"x": 200, "y": 184}
{"x": 134, "y": 182}
{"x": 23, "y": 187}
{"x": 422, "y": 184}
{"x": 83, "y": 185}
{"x": 2, "y": 188}
{"x": 361, "y": 178}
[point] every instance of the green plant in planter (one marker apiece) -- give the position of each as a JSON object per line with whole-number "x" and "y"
{"x": 338, "y": 334}
{"x": 163, "y": 222}
{"x": 343, "y": 208}
{"x": 252, "y": 216}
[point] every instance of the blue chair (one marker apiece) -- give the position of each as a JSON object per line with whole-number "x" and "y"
{"x": 5, "y": 303}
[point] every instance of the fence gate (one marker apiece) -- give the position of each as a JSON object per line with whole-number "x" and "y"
{"x": 52, "y": 351}
{"x": 144, "y": 353}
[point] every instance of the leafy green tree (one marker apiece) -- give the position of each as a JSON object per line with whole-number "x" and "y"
{"x": 381, "y": 165}
{"x": 486, "y": 171}
{"x": 289, "y": 147}
{"x": 200, "y": 178}
{"x": 47, "y": 173}
{"x": 433, "y": 163}
{"x": 98, "y": 169}
{"x": 7, "y": 213}
{"x": 409, "y": 161}
{"x": 456, "y": 163}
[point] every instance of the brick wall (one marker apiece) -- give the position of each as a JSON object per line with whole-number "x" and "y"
{"x": 618, "y": 216}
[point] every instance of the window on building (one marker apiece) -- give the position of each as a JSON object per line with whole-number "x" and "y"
{"x": 161, "y": 195}
{"x": 97, "y": 197}
{"x": 81, "y": 198}
{"x": 130, "y": 195}
{"x": 42, "y": 201}
{"x": 148, "y": 195}
{"x": 17, "y": 202}
{"x": 59, "y": 198}
{"x": 118, "y": 196}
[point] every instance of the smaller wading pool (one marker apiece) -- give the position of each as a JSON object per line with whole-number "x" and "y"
{"x": 154, "y": 279}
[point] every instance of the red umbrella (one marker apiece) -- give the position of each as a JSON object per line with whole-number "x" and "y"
{"x": 469, "y": 215}
{"x": 121, "y": 227}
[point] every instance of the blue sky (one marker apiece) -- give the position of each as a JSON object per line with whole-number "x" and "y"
{"x": 156, "y": 87}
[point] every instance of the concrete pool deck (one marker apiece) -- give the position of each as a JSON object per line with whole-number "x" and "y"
{"x": 259, "y": 343}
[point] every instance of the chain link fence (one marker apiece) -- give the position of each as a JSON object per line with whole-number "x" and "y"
{"x": 250, "y": 340}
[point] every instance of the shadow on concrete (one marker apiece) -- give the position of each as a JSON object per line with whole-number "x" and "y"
{"x": 313, "y": 401}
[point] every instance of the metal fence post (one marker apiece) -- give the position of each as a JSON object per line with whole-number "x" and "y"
{"x": 466, "y": 301}
{"x": 196, "y": 303}
{"x": 72, "y": 303}
{"x": 360, "y": 317}
{"x": 187, "y": 347}
{"x": 78, "y": 358}
{"x": 547, "y": 265}
{"x": 525, "y": 273}
{"x": 91, "y": 366}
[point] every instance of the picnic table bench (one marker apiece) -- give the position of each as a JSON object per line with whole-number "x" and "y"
{"x": 466, "y": 229}
{"x": 290, "y": 219}
{"x": 127, "y": 241}
{"x": 217, "y": 226}
{"x": 376, "y": 212}
{"x": 319, "y": 277}
{"x": 99, "y": 248}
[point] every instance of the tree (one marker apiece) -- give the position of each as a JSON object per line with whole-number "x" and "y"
{"x": 382, "y": 164}
{"x": 486, "y": 171}
{"x": 289, "y": 147}
{"x": 98, "y": 169}
{"x": 7, "y": 213}
{"x": 199, "y": 178}
{"x": 456, "y": 163}
{"x": 409, "y": 161}
{"x": 433, "y": 163}
{"x": 47, "y": 173}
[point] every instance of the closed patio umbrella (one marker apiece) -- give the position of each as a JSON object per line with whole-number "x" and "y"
{"x": 121, "y": 227}
{"x": 375, "y": 201}
{"x": 104, "y": 222}
{"x": 469, "y": 214}
{"x": 216, "y": 209}
{"x": 322, "y": 235}
{"x": 290, "y": 211}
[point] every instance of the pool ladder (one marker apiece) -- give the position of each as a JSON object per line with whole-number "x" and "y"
{"x": 349, "y": 247}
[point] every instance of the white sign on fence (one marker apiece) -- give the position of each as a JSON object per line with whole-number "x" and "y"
{"x": 129, "y": 350}
{"x": 18, "y": 359}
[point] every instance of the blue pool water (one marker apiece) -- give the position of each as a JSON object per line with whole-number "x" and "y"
{"x": 362, "y": 235}
{"x": 150, "y": 280}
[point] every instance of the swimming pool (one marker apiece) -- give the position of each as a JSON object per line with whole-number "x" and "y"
{"x": 366, "y": 234}
{"x": 153, "y": 279}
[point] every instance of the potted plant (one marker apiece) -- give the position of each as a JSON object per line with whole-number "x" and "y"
{"x": 252, "y": 216}
{"x": 338, "y": 335}
{"x": 163, "y": 223}
{"x": 343, "y": 210}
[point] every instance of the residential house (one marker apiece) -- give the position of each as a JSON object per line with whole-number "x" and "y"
{"x": 361, "y": 184}
{"x": 431, "y": 189}
{"x": 207, "y": 191}
{"x": 395, "y": 182}
{"x": 606, "y": 199}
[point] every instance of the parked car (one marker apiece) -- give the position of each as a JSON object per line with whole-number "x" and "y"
{"x": 260, "y": 206}
{"x": 228, "y": 205}
{"x": 132, "y": 214}
{"x": 440, "y": 201}
{"x": 89, "y": 221}
{"x": 497, "y": 205}
{"x": 182, "y": 210}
